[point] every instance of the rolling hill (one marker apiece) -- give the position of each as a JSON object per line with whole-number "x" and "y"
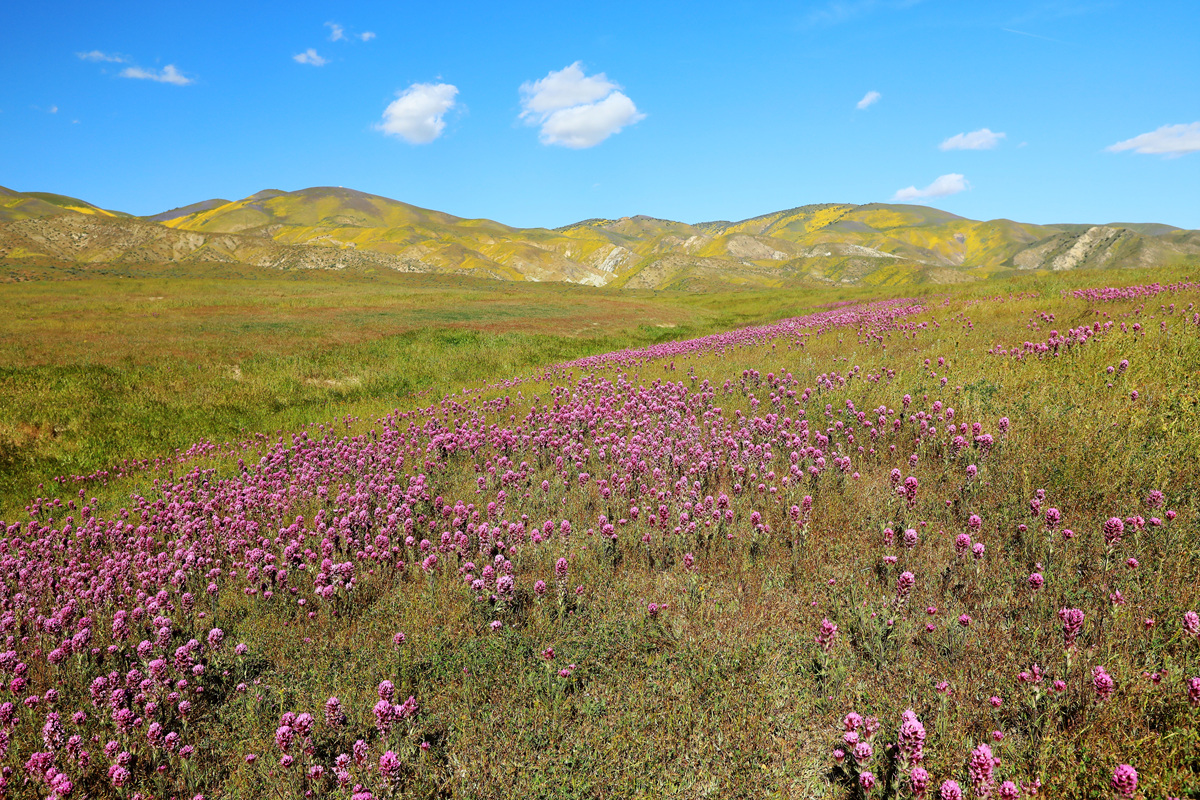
{"x": 337, "y": 228}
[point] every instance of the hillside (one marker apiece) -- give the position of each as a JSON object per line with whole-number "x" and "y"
{"x": 33, "y": 205}
{"x": 337, "y": 228}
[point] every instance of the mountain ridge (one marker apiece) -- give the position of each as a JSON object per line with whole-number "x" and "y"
{"x": 329, "y": 227}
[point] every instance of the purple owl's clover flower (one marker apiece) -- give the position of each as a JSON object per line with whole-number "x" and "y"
{"x": 950, "y": 790}
{"x": 911, "y": 738}
{"x": 1124, "y": 780}
{"x": 826, "y": 635}
{"x": 1072, "y": 624}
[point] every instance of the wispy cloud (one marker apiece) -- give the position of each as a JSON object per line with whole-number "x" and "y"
{"x": 982, "y": 139}
{"x": 96, "y": 55}
{"x": 869, "y": 99}
{"x": 1055, "y": 10}
{"x": 52, "y": 110}
{"x": 310, "y": 56}
{"x": 840, "y": 11}
{"x": 168, "y": 74}
{"x": 1033, "y": 35}
{"x": 952, "y": 183}
{"x": 1170, "y": 141}
{"x": 417, "y": 115}
{"x": 337, "y": 33}
{"x": 576, "y": 110}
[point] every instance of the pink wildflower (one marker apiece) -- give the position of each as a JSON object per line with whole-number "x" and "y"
{"x": 1072, "y": 624}
{"x": 1103, "y": 683}
{"x": 1113, "y": 529}
{"x": 1124, "y": 780}
{"x": 950, "y": 790}
{"x": 826, "y": 635}
{"x": 389, "y": 766}
{"x": 980, "y": 768}
{"x": 334, "y": 717}
{"x": 911, "y": 738}
{"x": 918, "y": 781}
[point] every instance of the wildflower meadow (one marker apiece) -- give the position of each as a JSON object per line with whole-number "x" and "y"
{"x": 936, "y": 546}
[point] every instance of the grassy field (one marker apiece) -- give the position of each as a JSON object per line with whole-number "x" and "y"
{"x": 98, "y": 366}
{"x": 631, "y": 564}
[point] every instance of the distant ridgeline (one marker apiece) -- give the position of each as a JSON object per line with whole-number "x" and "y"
{"x": 334, "y": 228}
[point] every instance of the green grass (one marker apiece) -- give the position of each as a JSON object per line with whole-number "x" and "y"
{"x": 99, "y": 368}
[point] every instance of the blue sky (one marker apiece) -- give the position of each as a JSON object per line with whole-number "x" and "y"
{"x": 548, "y": 113}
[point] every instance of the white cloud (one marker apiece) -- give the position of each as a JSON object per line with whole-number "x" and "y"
{"x": 943, "y": 186}
{"x": 168, "y": 74}
{"x": 590, "y": 124}
{"x": 96, "y": 55}
{"x": 576, "y": 110}
{"x": 416, "y": 116}
{"x": 310, "y": 56}
{"x": 367, "y": 36}
{"x": 52, "y": 109}
{"x": 1171, "y": 141}
{"x": 562, "y": 89}
{"x": 982, "y": 139}
{"x": 869, "y": 99}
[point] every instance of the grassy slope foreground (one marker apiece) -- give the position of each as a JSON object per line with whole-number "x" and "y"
{"x": 900, "y": 548}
